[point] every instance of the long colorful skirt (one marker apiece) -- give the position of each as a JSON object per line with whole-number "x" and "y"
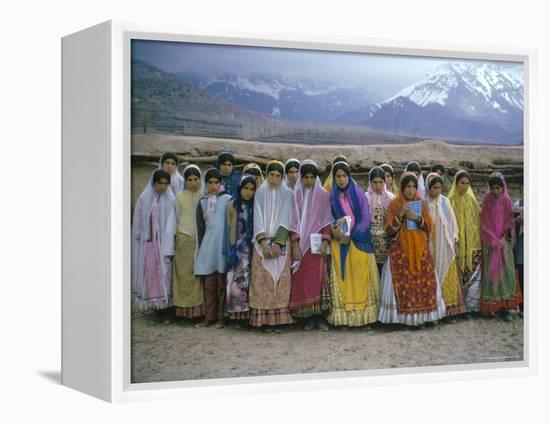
{"x": 356, "y": 297}
{"x": 507, "y": 293}
{"x": 452, "y": 292}
{"x": 269, "y": 302}
{"x": 188, "y": 293}
{"x": 310, "y": 294}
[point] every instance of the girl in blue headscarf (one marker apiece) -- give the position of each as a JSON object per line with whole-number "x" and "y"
{"x": 355, "y": 282}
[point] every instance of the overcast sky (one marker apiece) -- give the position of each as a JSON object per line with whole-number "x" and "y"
{"x": 382, "y": 74}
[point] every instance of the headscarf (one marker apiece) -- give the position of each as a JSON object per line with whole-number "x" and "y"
{"x": 254, "y": 169}
{"x": 388, "y": 168}
{"x": 446, "y": 228}
{"x": 421, "y": 186}
{"x": 374, "y": 198}
{"x": 497, "y": 217}
{"x": 141, "y": 232}
{"x": 272, "y": 209}
{"x": 413, "y": 243}
{"x": 328, "y": 182}
{"x": 289, "y": 164}
{"x": 176, "y": 180}
{"x": 360, "y": 231}
{"x": 186, "y": 204}
{"x": 230, "y": 183}
{"x": 467, "y": 211}
{"x": 243, "y": 207}
{"x": 311, "y": 212}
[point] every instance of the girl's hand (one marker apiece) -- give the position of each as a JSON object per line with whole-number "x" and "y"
{"x": 266, "y": 251}
{"x": 404, "y": 211}
{"x": 275, "y": 251}
{"x": 411, "y": 214}
{"x": 324, "y": 246}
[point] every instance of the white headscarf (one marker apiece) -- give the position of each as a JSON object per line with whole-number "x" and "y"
{"x": 272, "y": 209}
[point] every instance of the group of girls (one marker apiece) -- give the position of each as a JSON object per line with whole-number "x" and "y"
{"x": 274, "y": 251}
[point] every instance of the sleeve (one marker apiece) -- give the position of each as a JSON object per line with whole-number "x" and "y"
{"x": 201, "y": 224}
{"x": 364, "y": 223}
{"x": 231, "y": 223}
{"x": 169, "y": 232}
{"x": 136, "y": 226}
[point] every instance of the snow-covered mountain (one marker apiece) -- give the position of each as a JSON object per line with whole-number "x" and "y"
{"x": 458, "y": 100}
{"x": 285, "y": 97}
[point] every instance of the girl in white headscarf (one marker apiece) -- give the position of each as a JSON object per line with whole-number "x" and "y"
{"x": 169, "y": 162}
{"x": 444, "y": 245}
{"x": 153, "y": 245}
{"x": 269, "y": 292}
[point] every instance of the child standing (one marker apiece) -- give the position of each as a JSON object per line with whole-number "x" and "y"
{"x": 153, "y": 246}
{"x": 210, "y": 262}
{"x": 240, "y": 226}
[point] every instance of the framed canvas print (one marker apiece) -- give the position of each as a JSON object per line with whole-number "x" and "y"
{"x": 262, "y": 212}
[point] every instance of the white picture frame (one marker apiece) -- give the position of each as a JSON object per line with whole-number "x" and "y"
{"x": 96, "y": 206}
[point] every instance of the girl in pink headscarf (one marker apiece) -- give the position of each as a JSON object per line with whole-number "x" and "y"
{"x": 500, "y": 290}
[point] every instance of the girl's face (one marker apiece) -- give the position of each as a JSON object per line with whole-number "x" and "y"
{"x": 161, "y": 185}
{"x": 308, "y": 180}
{"x": 247, "y": 192}
{"x": 193, "y": 183}
{"x": 435, "y": 190}
{"x": 213, "y": 186}
{"x": 274, "y": 178}
{"x": 497, "y": 191}
{"x": 410, "y": 190}
{"x": 341, "y": 178}
{"x": 389, "y": 179}
{"x": 292, "y": 175}
{"x": 226, "y": 168}
{"x": 169, "y": 165}
{"x": 462, "y": 185}
{"x": 377, "y": 185}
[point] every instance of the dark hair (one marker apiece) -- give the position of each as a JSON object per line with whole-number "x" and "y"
{"x": 275, "y": 166}
{"x": 167, "y": 156}
{"x": 249, "y": 179}
{"x": 292, "y": 164}
{"x": 461, "y": 174}
{"x": 309, "y": 168}
{"x": 387, "y": 169}
{"x": 339, "y": 158}
{"x": 212, "y": 173}
{"x": 437, "y": 167}
{"x": 254, "y": 171}
{"x": 408, "y": 178}
{"x": 495, "y": 180}
{"x": 376, "y": 172}
{"x": 160, "y": 174}
{"x": 433, "y": 180}
{"x": 341, "y": 166}
{"x": 225, "y": 156}
{"x": 191, "y": 171}
{"x": 413, "y": 167}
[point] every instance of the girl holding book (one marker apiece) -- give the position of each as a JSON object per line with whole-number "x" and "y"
{"x": 355, "y": 281}
{"x": 310, "y": 222}
{"x": 410, "y": 292}
{"x": 270, "y": 286}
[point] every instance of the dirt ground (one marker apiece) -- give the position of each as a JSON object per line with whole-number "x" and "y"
{"x": 179, "y": 351}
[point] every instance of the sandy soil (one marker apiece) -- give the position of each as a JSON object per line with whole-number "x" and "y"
{"x": 179, "y": 351}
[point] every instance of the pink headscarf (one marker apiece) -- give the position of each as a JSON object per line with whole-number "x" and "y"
{"x": 312, "y": 211}
{"x": 497, "y": 218}
{"x": 385, "y": 197}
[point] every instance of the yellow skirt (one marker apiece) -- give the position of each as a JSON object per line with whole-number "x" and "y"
{"x": 356, "y": 299}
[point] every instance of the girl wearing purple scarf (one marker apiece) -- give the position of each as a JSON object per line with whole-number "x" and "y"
{"x": 354, "y": 276}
